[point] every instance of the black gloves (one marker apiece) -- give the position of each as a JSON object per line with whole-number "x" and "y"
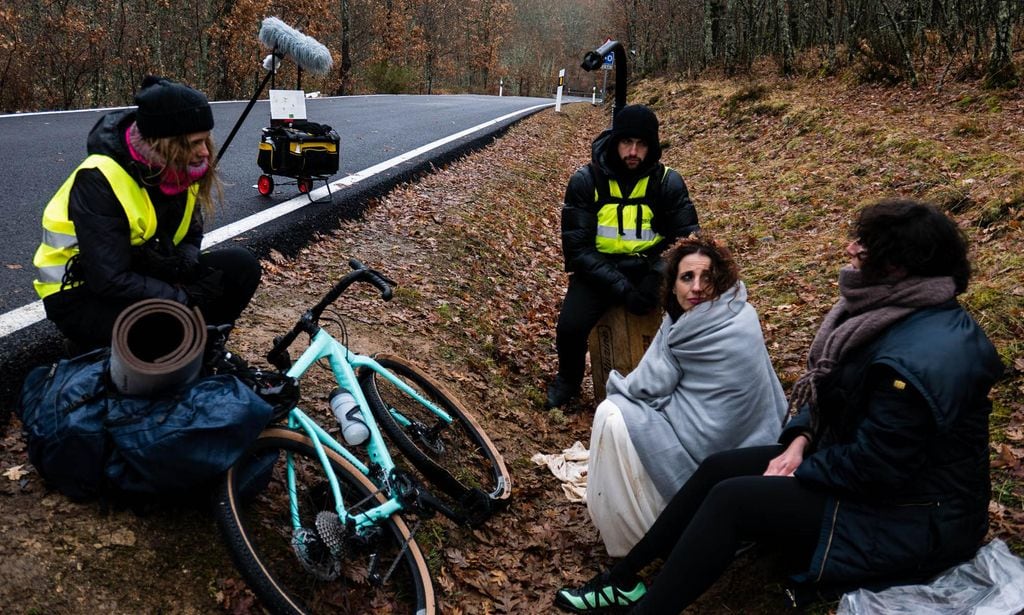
{"x": 160, "y": 258}
{"x": 643, "y": 298}
{"x": 651, "y": 284}
{"x": 205, "y": 289}
{"x": 640, "y": 303}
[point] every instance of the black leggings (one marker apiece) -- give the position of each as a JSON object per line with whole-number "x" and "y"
{"x": 585, "y": 303}
{"x": 87, "y": 319}
{"x": 726, "y": 502}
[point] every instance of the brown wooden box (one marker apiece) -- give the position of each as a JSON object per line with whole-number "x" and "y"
{"x": 618, "y": 342}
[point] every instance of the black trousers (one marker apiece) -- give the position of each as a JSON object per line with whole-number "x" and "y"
{"x": 87, "y": 319}
{"x": 725, "y": 503}
{"x": 584, "y": 304}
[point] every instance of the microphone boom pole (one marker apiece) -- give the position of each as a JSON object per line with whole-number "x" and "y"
{"x": 284, "y": 41}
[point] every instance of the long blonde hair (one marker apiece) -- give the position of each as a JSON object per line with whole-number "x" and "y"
{"x": 176, "y": 152}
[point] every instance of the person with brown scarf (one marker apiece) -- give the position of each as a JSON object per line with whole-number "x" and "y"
{"x": 881, "y": 477}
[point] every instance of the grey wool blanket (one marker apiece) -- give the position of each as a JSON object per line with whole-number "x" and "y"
{"x": 705, "y": 384}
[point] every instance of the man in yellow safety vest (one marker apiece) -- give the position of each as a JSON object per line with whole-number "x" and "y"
{"x": 621, "y": 211}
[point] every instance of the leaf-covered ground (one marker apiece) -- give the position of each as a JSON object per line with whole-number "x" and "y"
{"x": 775, "y": 168}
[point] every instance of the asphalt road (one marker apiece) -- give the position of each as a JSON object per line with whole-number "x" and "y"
{"x": 384, "y": 140}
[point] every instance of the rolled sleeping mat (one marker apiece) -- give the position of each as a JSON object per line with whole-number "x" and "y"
{"x": 157, "y": 346}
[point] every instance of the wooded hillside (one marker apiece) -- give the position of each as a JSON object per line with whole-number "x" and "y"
{"x": 64, "y": 54}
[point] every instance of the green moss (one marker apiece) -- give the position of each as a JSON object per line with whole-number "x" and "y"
{"x": 748, "y": 93}
{"x": 798, "y": 220}
{"x": 1008, "y": 493}
{"x": 557, "y": 417}
{"x": 992, "y": 163}
{"x": 948, "y": 198}
{"x": 967, "y": 128}
{"x": 407, "y": 296}
{"x": 862, "y": 131}
{"x": 982, "y": 298}
{"x": 985, "y": 102}
{"x": 445, "y": 311}
{"x": 965, "y": 102}
{"x": 735, "y": 107}
{"x": 994, "y": 212}
{"x": 921, "y": 149}
{"x": 992, "y": 103}
{"x": 769, "y": 108}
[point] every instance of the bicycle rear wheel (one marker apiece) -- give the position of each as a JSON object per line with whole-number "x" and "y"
{"x": 458, "y": 457}
{"x": 307, "y": 571}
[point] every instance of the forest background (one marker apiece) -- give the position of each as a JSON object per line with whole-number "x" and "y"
{"x": 65, "y": 54}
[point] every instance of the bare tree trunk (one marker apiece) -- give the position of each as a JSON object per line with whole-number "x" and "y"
{"x": 345, "y": 66}
{"x": 803, "y": 23}
{"x": 1000, "y": 72}
{"x": 729, "y": 17}
{"x": 708, "y": 30}
{"x": 908, "y": 62}
{"x": 785, "y": 42}
{"x": 830, "y": 36}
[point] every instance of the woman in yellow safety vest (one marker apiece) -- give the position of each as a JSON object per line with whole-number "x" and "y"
{"x": 127, "y": 225}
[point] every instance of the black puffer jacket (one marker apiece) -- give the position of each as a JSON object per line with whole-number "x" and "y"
{"x": 674, "y": 215}
{"x": 108, "y": 263}
{"x": 902, "y": 451}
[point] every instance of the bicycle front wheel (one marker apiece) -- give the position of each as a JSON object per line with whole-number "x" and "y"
{"x": 318, "y": 567}
{"x": 457, "y": 457}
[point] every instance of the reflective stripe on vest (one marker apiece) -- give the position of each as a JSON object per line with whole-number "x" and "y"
{"x": 624, "y": 225}
{"x": 60, "y": 243}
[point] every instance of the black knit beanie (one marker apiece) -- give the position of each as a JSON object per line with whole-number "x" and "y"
{"x": 168, "y": 109}
{"x": 636, "y": 121}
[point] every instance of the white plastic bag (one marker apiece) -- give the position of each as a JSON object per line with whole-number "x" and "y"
{"x": 990, "y": 584}
{"x": 570, "y": 467}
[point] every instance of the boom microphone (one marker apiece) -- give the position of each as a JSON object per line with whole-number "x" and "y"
{"x": 306, "y": 51}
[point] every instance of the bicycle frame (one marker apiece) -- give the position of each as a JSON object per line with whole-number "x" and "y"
{"x": 343, "y": 364}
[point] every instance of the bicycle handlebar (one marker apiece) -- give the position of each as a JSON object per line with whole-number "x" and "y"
{"x": 309, "y": 321}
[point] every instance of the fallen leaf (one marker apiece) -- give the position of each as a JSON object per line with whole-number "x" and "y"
{"x": 1006, "y": 458}
{"x": 16, "y": 473}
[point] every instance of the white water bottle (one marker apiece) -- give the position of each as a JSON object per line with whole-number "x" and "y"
{"x": 346, "y": 410}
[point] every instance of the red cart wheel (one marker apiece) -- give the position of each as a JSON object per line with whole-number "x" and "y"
{"x": 305, "y": 184}
{"x": 265, "y": 184}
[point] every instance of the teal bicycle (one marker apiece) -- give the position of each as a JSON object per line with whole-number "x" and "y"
{"x": 314, "y": 527}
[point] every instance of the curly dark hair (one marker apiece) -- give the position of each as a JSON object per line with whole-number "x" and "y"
{"x": 724, "y": 272}
{"x": 904, "y": 237}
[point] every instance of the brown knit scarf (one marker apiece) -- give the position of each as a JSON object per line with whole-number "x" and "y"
{"x": 861, "y": 314}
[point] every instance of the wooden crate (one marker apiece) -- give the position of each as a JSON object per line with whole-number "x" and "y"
{"x": 618, "y": 342}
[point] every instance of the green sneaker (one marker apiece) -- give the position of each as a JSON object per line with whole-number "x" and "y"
{"x": 600, "y": 595}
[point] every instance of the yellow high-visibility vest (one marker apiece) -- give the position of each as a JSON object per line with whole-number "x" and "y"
{"x": 624, "y": 224}
{"x": 60, "y": 243}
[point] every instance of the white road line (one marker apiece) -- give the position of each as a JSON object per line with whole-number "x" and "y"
{"x": 22, "y": 317}
{"x": 28, "y": 315}
{"x": 247, "y": 224}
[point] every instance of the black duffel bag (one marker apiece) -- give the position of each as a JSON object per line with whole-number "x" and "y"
{"x": 87, "y": 440}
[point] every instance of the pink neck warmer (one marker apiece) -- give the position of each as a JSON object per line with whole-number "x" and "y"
{"x": 172, "y": 181}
